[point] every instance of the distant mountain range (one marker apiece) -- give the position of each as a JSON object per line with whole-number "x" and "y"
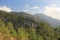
{"x": 51, "y": 21}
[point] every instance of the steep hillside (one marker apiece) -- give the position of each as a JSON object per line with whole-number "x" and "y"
{"x": 19, "y": 19}
{"x": 51, "y": 21}
{"x": 23, "y": 26}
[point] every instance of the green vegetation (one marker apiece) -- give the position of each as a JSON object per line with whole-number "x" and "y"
{"x": 23, "y": 26}
{"x": 58, "y": 31}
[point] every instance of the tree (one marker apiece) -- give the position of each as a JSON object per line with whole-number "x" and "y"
{"x": 2, "y": 23}
{"x": 22, "y": 34}
{"x": 11, "y": 28}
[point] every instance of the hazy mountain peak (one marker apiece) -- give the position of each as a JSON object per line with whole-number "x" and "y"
{"x": 53, "y": 22}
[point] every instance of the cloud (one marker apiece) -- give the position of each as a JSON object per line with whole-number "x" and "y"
{"x": 34, "y": 7}
{"x": 31, "y": 9}
{"x": 5, "y": 8}
{"x": 52, "y": 11}
{"x": 26, "y": 5}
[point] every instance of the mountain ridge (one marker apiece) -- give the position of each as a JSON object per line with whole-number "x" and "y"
{"x": 53, "y": 22}
{"x": 23, "y": 26}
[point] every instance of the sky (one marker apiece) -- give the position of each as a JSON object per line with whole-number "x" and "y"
{"x": 47, "y": 7}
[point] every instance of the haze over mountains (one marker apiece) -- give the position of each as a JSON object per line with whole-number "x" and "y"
{"x": 53, "y": 22}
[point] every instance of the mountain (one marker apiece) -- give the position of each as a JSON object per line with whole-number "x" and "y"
{"x": 24, "y": 26}
{"x": 51, "y": 21}
{"x": 20, "y": 19}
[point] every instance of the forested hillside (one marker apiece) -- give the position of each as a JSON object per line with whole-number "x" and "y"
{"x": 51, "y": 21}
{"x": 23, "y": 26}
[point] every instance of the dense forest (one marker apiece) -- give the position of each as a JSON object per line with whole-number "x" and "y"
{"x": 24, "y": 26}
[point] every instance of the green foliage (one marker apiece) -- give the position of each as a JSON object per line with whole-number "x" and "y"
{"x": 10, "y": 26}
{"x": 22, "y": 26}
{"x": 58, "y": 31}
{"x": 22, "y": 34}
{"x": 5, "y": 33}
{"x": 1, "y": 23}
